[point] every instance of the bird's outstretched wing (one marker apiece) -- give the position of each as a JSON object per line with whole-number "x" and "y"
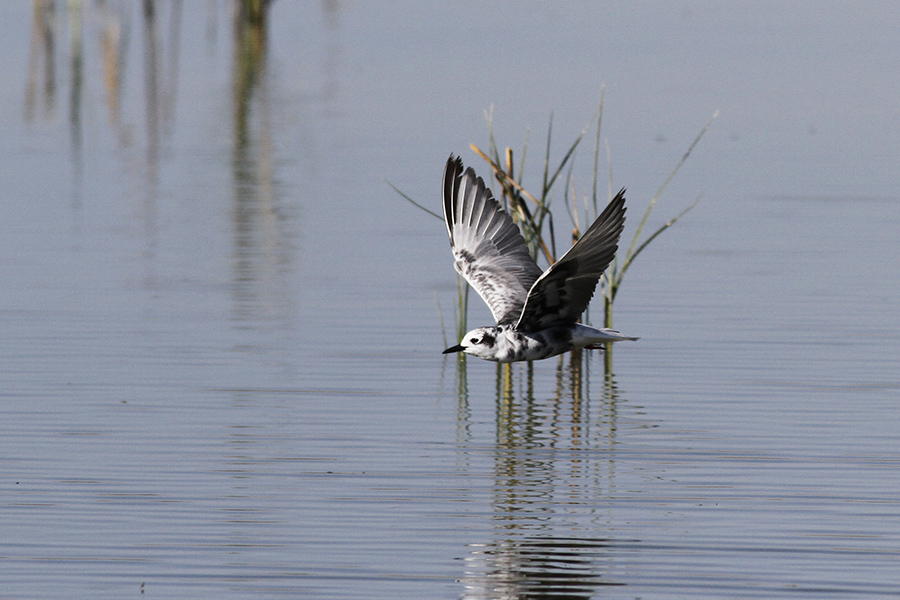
{"x": 489, "y": 250}
{"x": 564, "y": 291}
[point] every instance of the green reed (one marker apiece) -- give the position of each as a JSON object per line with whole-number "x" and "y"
{"x": 516, "y": 200}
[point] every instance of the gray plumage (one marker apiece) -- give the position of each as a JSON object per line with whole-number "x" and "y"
{"x": 536, "y": 311}
{"x": 489, "y": 250}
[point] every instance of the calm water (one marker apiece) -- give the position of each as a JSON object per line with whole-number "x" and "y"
{"x": 220, "y": 369}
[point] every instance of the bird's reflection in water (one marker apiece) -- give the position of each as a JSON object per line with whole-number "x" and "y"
{"x": 536, "y": 567}
{"x": 554, "y": 472}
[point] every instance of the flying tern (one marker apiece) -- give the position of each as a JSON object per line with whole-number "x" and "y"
{"x": 536, "y": 311}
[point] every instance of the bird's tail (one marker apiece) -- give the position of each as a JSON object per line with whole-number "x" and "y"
{"x": 596, "y": 338}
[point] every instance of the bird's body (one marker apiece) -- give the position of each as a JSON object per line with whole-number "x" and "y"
{"x": 503, "y": 343}
{"x": 536, "y": 311}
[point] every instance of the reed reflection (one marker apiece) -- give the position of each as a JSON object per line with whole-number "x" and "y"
{"x": 65, "y": 60}
{"x": 263, "y": 246}
{"x": 535, "y": 567}
{"x": 554, "y": 476}
{"x": 40, "y": 88}
{"x": 51, "y": 23}
{"x": 151, "y": 86}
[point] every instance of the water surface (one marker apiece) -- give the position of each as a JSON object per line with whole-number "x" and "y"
{"x": 221, "y": 370}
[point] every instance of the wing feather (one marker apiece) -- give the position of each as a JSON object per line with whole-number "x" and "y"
{"x": 564, "y": 291}
{"x": 488, "y": 248}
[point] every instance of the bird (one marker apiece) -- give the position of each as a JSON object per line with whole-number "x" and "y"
{"x": 536, "y": 311}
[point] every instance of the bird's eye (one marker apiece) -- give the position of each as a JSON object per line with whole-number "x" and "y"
{"x": 474, "y": 340}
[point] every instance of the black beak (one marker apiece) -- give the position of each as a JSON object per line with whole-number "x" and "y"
{"x": 456, "y": 348}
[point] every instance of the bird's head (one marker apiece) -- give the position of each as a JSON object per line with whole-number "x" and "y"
{"x": 481, "y": 342}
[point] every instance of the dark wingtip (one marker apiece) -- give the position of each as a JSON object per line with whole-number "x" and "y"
{"x": 454, "y": 164}
{"x": 452, "y": 171}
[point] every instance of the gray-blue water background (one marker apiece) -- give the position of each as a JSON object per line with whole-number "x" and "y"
{"x": 220, "y": 334}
